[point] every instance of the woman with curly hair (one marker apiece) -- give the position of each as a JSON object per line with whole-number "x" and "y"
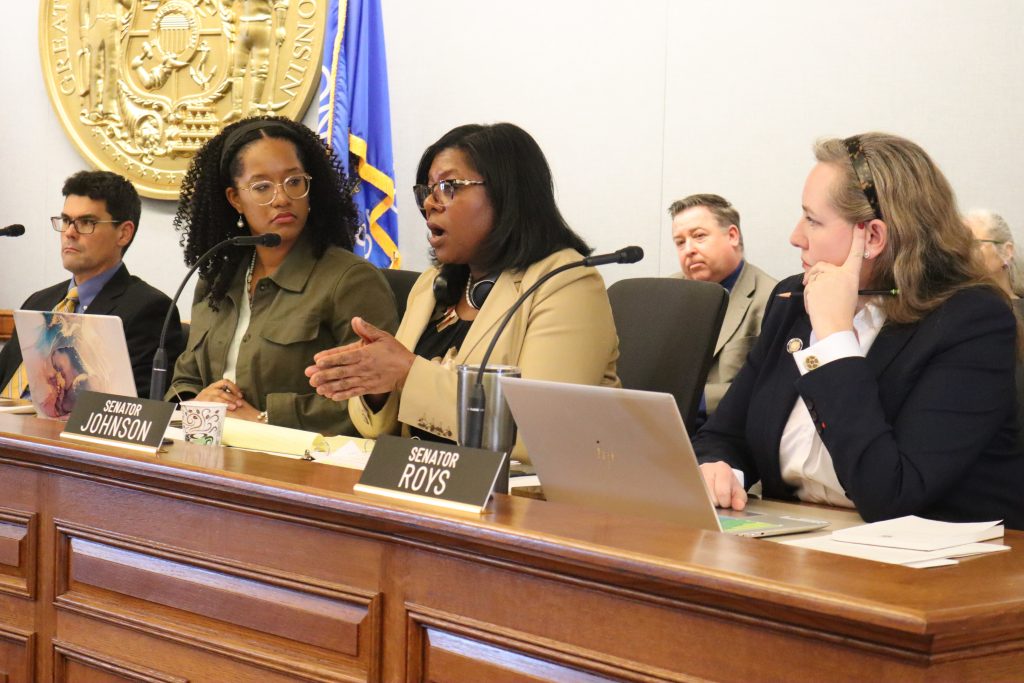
{"x": 260, "y": 314}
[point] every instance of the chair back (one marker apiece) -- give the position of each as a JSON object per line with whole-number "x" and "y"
{"x": 667, "y": 332}
{"x": 401, "y": 282}
{"x": 1020, "y": 406}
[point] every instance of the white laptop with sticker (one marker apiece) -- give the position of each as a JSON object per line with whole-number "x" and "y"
{"x": 68, "y": 353}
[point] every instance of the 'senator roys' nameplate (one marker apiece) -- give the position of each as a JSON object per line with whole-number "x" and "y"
{"x": 448, "y": 476}
{"x": 141, "y": 85}
{"x": 120, "y": 421}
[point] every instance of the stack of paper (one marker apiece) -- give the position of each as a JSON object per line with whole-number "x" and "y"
{"x": 909, "y": 541}
{"x": 256, "y": 436}
{"x": 342, "y": 451}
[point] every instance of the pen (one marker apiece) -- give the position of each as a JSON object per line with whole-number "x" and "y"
{"x": 861, "y": 292}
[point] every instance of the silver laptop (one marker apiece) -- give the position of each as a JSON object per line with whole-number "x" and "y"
{"x": 624, "y": 451}
{"x": 68, "y": 353}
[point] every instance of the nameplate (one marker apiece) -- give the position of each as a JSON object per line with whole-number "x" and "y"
{"x": 447, "y": 476}
{"x": 120, "y": 421}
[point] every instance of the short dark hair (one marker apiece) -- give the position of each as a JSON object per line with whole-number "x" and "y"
{"x": 205, "y": 217}
{"x": 527, "y": 223}
{"x": 123, "y": 203}
{"x": 724, "y": 212}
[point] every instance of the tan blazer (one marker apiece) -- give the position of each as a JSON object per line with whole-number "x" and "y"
{"x": 740, "y": 329}
{"x": 564, "y": 333}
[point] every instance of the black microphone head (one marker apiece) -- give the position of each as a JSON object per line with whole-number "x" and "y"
{"x": 13, "y": 230}
{"x": 630, "y": 254}
{"x": 270, "y": 239}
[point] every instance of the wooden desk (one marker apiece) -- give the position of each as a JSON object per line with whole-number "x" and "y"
{"x": 208, "y": 564}
{"x": 6, "y": 325}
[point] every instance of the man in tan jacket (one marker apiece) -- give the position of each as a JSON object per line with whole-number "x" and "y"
{"x": 706, "y": 232}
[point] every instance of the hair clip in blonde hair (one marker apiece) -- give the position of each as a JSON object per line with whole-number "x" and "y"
{"x": 865, "y": 180}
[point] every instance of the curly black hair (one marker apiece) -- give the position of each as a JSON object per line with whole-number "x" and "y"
{"x": 205, "y": 217}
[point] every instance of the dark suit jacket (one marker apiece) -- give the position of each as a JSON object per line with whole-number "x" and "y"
{"x": 925, "y": 424}
{"x": 139, "y": 306}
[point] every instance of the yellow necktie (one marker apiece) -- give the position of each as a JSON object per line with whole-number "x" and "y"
{"x": 16, "y": 387}
{"x": 69, "y": 303}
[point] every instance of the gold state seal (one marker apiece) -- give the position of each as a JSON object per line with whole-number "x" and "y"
{"x": 140, "y": 85}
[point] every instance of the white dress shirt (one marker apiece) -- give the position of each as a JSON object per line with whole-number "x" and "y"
{"x": 805, "y": 462}
{"x": 244, "y": 315}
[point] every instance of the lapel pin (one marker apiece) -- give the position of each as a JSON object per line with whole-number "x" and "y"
{"x": 794, "y": 345}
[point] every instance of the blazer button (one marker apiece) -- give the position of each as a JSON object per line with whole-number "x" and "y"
{"x": 812, "y": 362}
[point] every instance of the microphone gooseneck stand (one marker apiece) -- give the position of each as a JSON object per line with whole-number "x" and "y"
{"x": 158, "y": 378}
{"x": 476, "y": 403}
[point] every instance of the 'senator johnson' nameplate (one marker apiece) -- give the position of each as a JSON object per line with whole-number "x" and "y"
{"x": 121, "y": 421}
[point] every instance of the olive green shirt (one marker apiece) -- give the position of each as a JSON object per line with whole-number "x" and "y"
{"x": 303, "y": 308}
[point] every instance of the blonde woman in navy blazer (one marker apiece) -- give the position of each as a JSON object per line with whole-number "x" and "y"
{"x": 896, "y": 404}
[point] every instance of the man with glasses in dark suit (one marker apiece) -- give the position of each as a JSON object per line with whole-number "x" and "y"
{"x": 97, "y": 225}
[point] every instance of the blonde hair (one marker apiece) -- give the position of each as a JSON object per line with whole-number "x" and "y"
{"x": 928, "y": 255}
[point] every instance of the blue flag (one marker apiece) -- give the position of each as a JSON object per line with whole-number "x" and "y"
{"x": 355, "y": 117}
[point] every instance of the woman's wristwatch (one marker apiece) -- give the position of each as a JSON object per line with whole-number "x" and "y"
{"x": 262, "y": 417}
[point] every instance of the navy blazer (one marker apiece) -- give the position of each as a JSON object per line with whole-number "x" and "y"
{"x": 925, "y": 424}
{"x": 141, "y": 309}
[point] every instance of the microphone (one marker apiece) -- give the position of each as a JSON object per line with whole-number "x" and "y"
{"x": 158, "y": 378}
{"x": 15, "y": 230}
{"x": 624, "y": 255}
{"x": 477, "y": 401}
{"x": 271, "y": 239}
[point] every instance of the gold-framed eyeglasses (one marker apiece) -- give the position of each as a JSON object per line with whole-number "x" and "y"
{"x": 443, "y": 191}
{"x": 995, "y": 242}
{"x": 264, "y": 192}
{"x": 86, "y": 225}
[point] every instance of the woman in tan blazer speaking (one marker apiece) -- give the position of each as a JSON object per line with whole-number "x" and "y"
{"x": 487, "y": 195}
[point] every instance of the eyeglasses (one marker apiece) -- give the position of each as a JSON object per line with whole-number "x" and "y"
{"x": 265, "y": 191}
{"x": 84, "y": 226}
{"x": 990, "y": 241}
{"x": 443, "y": 191}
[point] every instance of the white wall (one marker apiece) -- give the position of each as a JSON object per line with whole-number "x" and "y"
{"x": 635, "y": 104}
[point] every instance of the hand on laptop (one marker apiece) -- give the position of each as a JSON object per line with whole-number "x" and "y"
{"x": 725, "y": 489}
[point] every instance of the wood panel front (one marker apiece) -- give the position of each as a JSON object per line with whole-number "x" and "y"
{"x": 207, "y": 564}
{"x": 6, "y": 325}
